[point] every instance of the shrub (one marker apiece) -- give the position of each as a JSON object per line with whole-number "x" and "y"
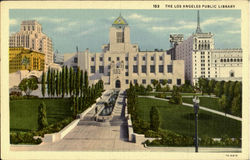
{"x": 23, "y": 138}
{"x": 152, "y": 134}
{"x": 154, "y": 119}
{"x": 161, "y": 95}
{"x": 42, "y": 116}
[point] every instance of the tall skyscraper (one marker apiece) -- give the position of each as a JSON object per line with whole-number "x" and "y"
{"x": 203, "y": 60}
{"x": 31, "y": 36}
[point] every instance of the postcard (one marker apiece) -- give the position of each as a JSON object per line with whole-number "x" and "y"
{"x": 125, "y": 80}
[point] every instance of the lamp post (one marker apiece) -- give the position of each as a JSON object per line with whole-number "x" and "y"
{"x": 196, "y": 101}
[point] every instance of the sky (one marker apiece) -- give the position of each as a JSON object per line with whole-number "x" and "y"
{"x": 150, "y": 29}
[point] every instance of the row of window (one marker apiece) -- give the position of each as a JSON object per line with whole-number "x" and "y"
{"x": 152, "y": 69}
{"x": 135, "y": 69}
{"x": 231, "y": 60}
{"x": 126, "y": 58}
{"x": 144, "y": 81}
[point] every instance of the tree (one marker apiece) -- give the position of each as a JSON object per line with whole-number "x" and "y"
{"x": 42, "y": 116}
{"x": 211, "y": 86}
{"x": 223, "y": 103}
{"x": 164, "y": 82}
{"x": 66, "y": 80}
{"x": 60, "y": 83}
{"x": 154, "y": 82}
{"x": 149, "y": 88}
{"x": 57, "y": 83}
{"x": 218, "y": 90}
{"x": 63, "y": 81}
{"x": 28, "y": 85}
{"x": 158, "y": 87}
{"x": 48, "y": 82}
{"x": 176, "y": 98}
{"x": 154, "y": 119}
{"x": 71, "y": 80}
{"x": 77, "y": 85}
{"x": 53, "y": 83}
{"x": 226, "y": 88}
{"x": 43, "y": 84}
{"x": 86, "y": 80}
{"x": 81, "y": 83}
{"x": 237, "y": 105}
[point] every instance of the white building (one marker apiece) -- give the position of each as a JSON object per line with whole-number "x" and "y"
{"x": 122, "y": 62}
{"x": 202, "y": 60}
{"x": 31, "y": 36}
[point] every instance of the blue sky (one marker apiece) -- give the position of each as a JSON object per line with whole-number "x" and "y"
{"x": 150, "y": 29}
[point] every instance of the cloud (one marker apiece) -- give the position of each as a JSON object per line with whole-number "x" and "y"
{"x": 86, "y": 32}
{"x": 233, "y": 31}
{"x": 142, "y": 18}
{"x": 13, "y": 22}
{"x": 61, "y": 29}
{"x": 220, "y": 21}
{"x": 51, "y": 19}
{"x": 181, "y": 25}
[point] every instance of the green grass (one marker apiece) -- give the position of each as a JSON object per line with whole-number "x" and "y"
{"x": 24, "y": 113}
{"x": 208, "y": 102}
{"x": 169, "y": 94}
{"x": 180, "y": 119}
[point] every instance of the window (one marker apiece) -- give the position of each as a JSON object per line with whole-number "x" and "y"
{"x": 100, "y": 58}
{"x": 92, "y": 69}
{"x": 135, "y": 69}
{"x": 109, "y": 66}
{"x": 126, "y": 73}
{"x": 108, "y": 73}
{"x": 231, "y": 74}
{"x": 143, "y": 58}
{"x": 101, "y": 69}
{"x": 118, "y": 58}
{"x": 152, "y": 80}
{"x": 160, "y": 58}
{"x": 169, "y": 81}
{"x": 135, "y": 81}
{"x": 109, "y": 59}
{"x": 143, "y": 69}
{"x": 92, "y": 59}
{"x": 33, "y": 28}
{"x": 126, "y": 58}
{"x": 170, "y": 68}
{"x": 143, "y": 81}
{"x": 126, "y": 81}
{"x": 152, "y": 69}
{"x": 126, "y": 67}
{"x": 119, "y": 37}
{"x": 152, "y": 58}
{"x": 161, "y": 81}
{"x": 161, "y": 68}
{"x": 178, "y": 81}
{"x": 135, "y": 58}
{"x": 75, "y": 60}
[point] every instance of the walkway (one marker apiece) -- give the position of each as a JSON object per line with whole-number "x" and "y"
{"x": 200, "y": 107}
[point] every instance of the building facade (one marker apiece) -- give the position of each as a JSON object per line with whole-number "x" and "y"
{"x": 203, "y": 60}
{"x": 25, "y": 59}
{"x": 121, "y": 62}
{"x": 31, "y": 36}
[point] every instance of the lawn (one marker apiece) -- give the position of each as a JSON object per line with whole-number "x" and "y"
{"x": 170, "y": 93}
{"x": 208, "y": 102}
{"x": 24, "y": 113}
{"x": 180, "y": 119}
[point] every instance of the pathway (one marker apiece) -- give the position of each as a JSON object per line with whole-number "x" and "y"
{"x": 200, "y": 107}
